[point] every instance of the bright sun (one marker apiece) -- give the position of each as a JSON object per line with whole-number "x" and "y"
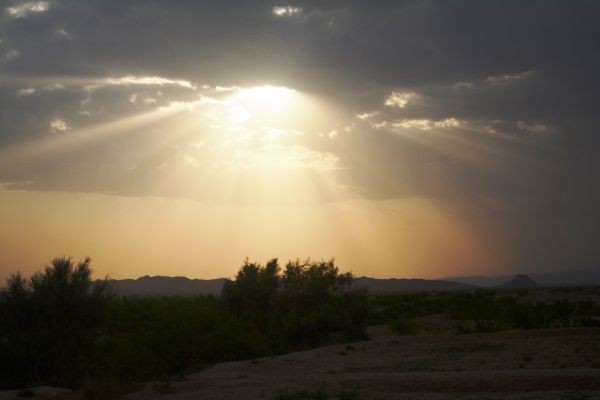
{"x": 265, "y": 101}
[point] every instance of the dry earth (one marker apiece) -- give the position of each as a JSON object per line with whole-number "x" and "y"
{"x": 544, "y": 364}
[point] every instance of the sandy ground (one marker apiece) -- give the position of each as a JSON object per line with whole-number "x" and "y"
{"x": 544, "y": 364}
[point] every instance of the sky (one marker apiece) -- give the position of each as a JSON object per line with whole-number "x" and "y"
{"x": 404, "y": 138}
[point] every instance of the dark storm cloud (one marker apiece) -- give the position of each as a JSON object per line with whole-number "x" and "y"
{"x": 521, "y": 77}
{"x": 340, "y": 47}
{"x": 391, "y": 43}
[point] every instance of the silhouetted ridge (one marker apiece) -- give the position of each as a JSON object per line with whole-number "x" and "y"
{"x": 408, "y": 285}
{"x": 520, "y": 281}
{"x": 167, "y": 286}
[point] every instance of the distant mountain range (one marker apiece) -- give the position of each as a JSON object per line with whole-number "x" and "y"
{"x": 166, "y": 286}
{"x": 582, "y": 277}
{"x": 182, "y": 286}
{"x": 409, "y": 285}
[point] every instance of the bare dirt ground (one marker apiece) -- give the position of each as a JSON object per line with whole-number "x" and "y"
{"x": 519, "y": 365}
{"x": 544, "y": 364}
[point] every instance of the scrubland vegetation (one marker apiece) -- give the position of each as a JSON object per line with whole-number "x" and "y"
{"x": 480, "y": 311}
{"x": 61, "y": 328}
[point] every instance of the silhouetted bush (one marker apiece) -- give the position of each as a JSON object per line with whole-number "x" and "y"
{"x": 310, "y": 303}
{"x": 253, "y": 293}
{"x": 59, "y": 327}
{"x": 50, "y": 322}
{"x": 147, "y": 337}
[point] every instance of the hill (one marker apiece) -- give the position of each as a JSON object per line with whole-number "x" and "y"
{"x": 574, "y": 277}
{"x": 167, "y": 286}
{"x": 409, "y": 285}
{"x": 520, "y": 281}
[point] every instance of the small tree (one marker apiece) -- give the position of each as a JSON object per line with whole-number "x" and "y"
{"x": 51, "y": 320}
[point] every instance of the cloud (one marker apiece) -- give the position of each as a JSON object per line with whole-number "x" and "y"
{"x": 24, "y": 9}
{"x": 26, "y": 92}
{"x": 532, "y": 127}
{"x": 191, "y": 161}
{"x": 9, "y": 55}
{"x": 59, "y": 125}
{"x": 147, "y": 80}
{"x": 425, "y": 124}
{"x": 398, "y": 99}
{"x": 366, "y": 115}
{"x": 439, "y": 101}
{"x": 286, "y": 11}
{"x": 273, "y": 155}
{"x": 508, "y": 78}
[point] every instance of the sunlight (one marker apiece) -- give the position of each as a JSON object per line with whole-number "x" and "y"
{"x": 267, "y": 102}
{"x": 82, "y": 138}
{"x": 257, "y": 147}
{"x": 254, "y": 145}
{"x": 274, "y": 107}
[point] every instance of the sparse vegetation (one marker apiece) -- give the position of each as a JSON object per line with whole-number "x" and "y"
{"x": 480, "y": 311}
{"x": 61, "y": 328}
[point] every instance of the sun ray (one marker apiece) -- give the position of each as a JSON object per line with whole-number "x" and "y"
{"x": 84, "y": 137}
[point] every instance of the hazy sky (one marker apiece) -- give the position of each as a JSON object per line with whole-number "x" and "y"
{"x": 404, "y": 138}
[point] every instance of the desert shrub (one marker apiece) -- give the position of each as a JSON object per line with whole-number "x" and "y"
{"x": 308, "y": 283}
{"x": 149, "y": 337}
{"x": 13, "y": 369}
{"x": 307, "y": 304}
{"x": 253, "y": 293}
{"x": 317, "y": 302}
{"x": 483, "y": 310}
{"x": 49, "y": 322}
{"x": 255, "y": 316}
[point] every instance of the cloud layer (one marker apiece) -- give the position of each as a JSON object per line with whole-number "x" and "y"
{"x": 488, "y": 109}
